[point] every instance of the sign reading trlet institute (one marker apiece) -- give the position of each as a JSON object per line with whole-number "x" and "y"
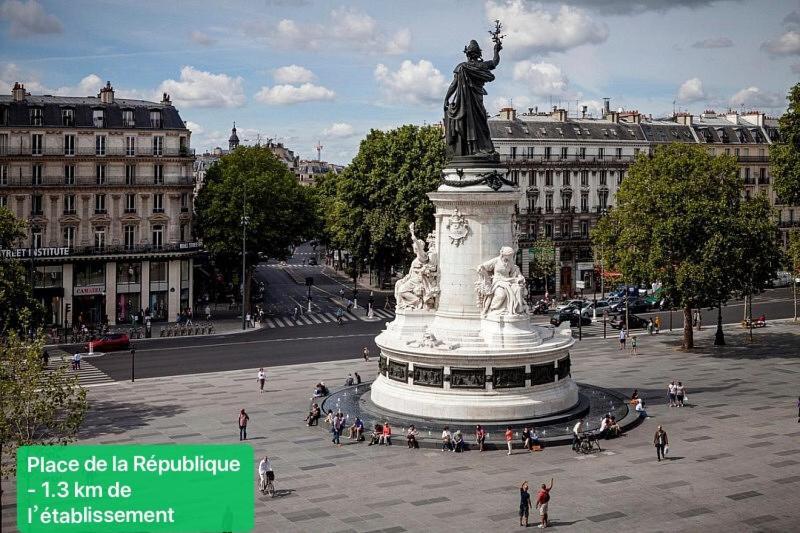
{"x": 27, "y": 253}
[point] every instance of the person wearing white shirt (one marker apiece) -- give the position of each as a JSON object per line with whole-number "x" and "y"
{"x": 447, "y": 439}
{"x": 262, "y": 378}
{"x": 640, "y": 409}
{"x": 576, "y": 434}
{"x": 672, "y": 389}
{"x": 265, "y": 471}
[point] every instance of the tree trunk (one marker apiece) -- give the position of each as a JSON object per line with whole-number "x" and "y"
{"x": 688, "y": 334}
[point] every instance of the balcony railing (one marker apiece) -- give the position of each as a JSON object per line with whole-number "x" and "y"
{"x": 752, "y": 159}
{"x": 763, "y": 181}
{"x": 570, "y": 159}
{"x": 135, "y": 249}
{"x": 83, "y": 151}
{"x": 91, "y": 181}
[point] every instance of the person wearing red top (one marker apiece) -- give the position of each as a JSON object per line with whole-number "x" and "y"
{"x": 509, "y": 438}
{"x": 542, "y": 502}
{"x": 386, "y": 436}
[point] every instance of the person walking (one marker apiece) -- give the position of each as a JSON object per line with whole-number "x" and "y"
{"x": 657, "y": 323}
{"x": 76, "y": 361}
{"x": 576, "y": 434}
{"x": 633, "y": 346}
{"x": 243, "y": 420}
{"x": 680, "y": 394}
{"x": 365, "y": 353}
{"x": 543, "y": 503}
{"x": 672, "y": 391}
{"x": 358, "y": 378}
{"x": 262, "y": 377}
{"x": 208, "y": 313}
{"x": 509, "y": 438}
{"x": 623, "y": 335}
{"x": 524, "y": 503}
{"x": 480, "y": 437}
{"x": 661, "y": 442}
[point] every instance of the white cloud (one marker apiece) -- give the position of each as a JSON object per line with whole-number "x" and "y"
{"x": 11, "y": 73}
{"x": 541, "y": 79}
{"x": 412, "y": 83}
{"x": 28, "y": 18}
{"x": 787, "y": 44}
{"x": 593, "y": 107}
{"x": 339, "y": 130}
{"x": 203, "y": 39}
{"x": 293, "y": 94}
{"x": 691, "y": 91}
{"x": 714, "y": 42}
{"x": 293, "y": 74}
{"x": 198, "y": 88}
{"x": 345, "y": 27}
{"x": 754, "y": 97}
{"x": 195, "y": 128}
{"x": 520, "y": 102}
{"x": 88, "y": 86}
{"x": 531, "y": 28}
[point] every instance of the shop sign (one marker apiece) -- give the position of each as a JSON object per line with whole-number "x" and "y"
{"x": 585, "y": 266}
{"x": 89, "y": 291}
{"x": 189, "y": 245}
{"x": 27, "y": 253}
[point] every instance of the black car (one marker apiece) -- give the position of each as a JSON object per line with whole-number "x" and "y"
{"x": 312, "y": 261}
{"x": 636, "y": 305}
{"x": 572, "y": 316}
{"x": 634, "y": 322}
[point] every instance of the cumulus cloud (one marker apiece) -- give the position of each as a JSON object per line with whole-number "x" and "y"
{"x": 629, "y": 7}
{"x": 756, "y": 98}
{"x": 195, "y": 128}
{"x": 293, "y": 74}
{"x": 533, "y": 29}
{"x": 345, "y": 27}
{"x": 11, "y": 73}
{"x": 412, "y": 83}
{"x": 787, "y": 44}
{"x": 293, "y": 94}
{"x": 88, "y": 86}
{"x": 339, "y": 130}
{"x": 28, "y": 18}
{"x": 691, "y": 91}
{"x": 520, "y": 102}
{"x": 541, "y": 79}
{"x": 714, "y": 42}
{"x": 792, "y": 20}
{"x": 198, "y": 88}
{"x": 203, "y": 39}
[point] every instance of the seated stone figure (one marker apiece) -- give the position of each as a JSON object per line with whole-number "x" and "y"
{"x": 419, "y": 288}
{"x": 501, "y": 286}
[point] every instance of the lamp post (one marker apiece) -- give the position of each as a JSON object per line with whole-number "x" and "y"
{"x": 245, "y": 222}
{"x": 133, "y": 367}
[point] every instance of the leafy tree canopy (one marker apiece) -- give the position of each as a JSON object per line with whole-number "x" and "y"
{"x": 680, "y": 219}
{"x": 784, "y": 156}
{"x": 20, "y": 311}
{"x": 381, "y": 191}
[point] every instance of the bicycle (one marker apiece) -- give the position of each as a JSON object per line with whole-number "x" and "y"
{"x": 588, "y": 443}
{"x": 267, "y": 485}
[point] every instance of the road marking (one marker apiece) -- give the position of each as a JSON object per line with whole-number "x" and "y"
{"x": 306, "y": 320}
{"x": 315, "y": 319}
{"x": 263, "y": 341}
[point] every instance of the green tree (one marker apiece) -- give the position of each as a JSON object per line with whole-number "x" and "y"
{"x": 680, "y": 219}
{"x": 42, "y": 407}
{"x": 793, "y": 253}
{"x": 251, "y": 181}
{"x": 543, "y": 262}
{"x": 784, "y": 156}
{"x": 20, "y": 311}
{"x": 384, "y": 189}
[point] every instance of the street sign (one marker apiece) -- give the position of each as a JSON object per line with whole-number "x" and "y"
{"x": 580, "y": 284}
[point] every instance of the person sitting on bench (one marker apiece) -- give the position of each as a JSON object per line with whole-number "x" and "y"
{"x": 313, "y": 415}
{"x": 357, "y": 430}
{"x": 377, "y": 431}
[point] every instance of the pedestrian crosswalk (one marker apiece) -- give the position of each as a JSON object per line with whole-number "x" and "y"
{"x": 87, "y": 375}
{"x": 309, "y": 319}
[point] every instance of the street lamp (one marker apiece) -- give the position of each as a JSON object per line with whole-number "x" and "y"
{"x": 133, "y": 359}
{"x": 245, "y": 222}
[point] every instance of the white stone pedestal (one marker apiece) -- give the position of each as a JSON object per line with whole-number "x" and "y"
{"x": 453, "y": 362}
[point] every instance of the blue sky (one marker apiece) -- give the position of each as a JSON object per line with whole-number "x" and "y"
{"x": 306, "y": 71}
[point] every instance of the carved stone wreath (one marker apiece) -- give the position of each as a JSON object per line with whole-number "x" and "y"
{"x": 458, "y": 228}
{"x": 494, "y": 180}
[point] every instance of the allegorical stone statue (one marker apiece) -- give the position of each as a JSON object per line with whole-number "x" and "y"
{"x": 501, "y": 286}
{"x": 466, "y": 123}
{"x": 420, "y": 287}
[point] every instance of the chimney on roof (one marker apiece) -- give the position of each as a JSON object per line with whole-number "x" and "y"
{"x": 583, "y": 110}
{"x": 508, "y": 113}
{"x": 559, "y": 114}
{"x": 107, "y": 94}
{"x": 756, "y": 118}
{"x": 18, "y": 92}
{"x": 606, "y": 106}
{"x": 633, "y": 117}
{"x": 165, "y": 99}
{"x": 530, "y": 111}
{"x": 612, "y": 116}
{"x": 685, "y": 119}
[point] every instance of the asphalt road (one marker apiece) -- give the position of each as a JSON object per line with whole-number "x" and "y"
{"x": 328, "y": 342}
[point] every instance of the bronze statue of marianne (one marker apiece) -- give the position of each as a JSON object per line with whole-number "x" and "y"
{"x": 466, "y": 124}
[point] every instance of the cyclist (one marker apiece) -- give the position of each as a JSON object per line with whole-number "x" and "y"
{"x": 265, "y": 472}
{"x": 339, "y": 314}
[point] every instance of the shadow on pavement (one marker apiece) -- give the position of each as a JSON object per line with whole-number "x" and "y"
{"x": 106, "y": 417}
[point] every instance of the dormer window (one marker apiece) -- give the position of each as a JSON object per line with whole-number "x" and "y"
{"x": 155, "y": 119}
{"x": 68, "y": 117}
{"x": 36, "y": 116}
{"x": 98, "y": 118}
{"x": 127, "y": 118}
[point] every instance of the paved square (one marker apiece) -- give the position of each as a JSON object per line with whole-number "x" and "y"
{"x": 733, "y": 463}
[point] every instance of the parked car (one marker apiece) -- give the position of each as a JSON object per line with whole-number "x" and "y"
{"x": 572, "y": 316}
{"x": 108, "y": 343}
{"x": 572, "y": 303}
{"x": 601, "y": 305}
{"x": 636, "y": 305}
{"x": 634, "y": 322}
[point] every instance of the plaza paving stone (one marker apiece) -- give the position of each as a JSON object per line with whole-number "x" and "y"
{"x": 733, "y": 463}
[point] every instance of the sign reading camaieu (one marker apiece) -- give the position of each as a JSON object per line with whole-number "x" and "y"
{"x": 27, "y": 253}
